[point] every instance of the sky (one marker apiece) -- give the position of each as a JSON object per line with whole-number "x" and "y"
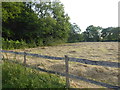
{"x": 84, "y": 13}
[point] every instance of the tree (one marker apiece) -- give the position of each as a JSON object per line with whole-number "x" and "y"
{"x": 92, "y": 33}
{"x": 110, "y": 34}
{"x": 85, "y": 36}
{"x": 46, "y": 23}
{"x": 9, "y": 12}
{"x": 21, "y": 24}
{"x": 74, "y": 35}
{"x": 55, "y": 25}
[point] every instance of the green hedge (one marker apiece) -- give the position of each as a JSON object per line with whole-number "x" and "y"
{"x": 10, "y": 44}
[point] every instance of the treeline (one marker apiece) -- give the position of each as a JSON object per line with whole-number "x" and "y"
{"x": 94, "y": 34}
{"x": 31, "y": 24}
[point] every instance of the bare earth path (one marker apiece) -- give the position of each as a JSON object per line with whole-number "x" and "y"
{"x": 98, "y": 51}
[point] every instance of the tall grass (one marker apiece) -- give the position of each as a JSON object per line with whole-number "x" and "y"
{"x": 18, "y": 76}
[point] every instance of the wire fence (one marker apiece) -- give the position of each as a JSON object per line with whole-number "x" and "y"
{"x": 67, "y": 59}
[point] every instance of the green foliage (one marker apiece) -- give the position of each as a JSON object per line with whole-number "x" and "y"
{"x": 44, "y": 25}
{"x": 54, "y": 23}
{"x": 50, "y": 41}
{"x": 110, "y": 34}
{"x": 74, "y": 34}
{"x": 95, "y": 34}
{"x": 92, "y": 33}
{"x": 17, "y": 76}
{"x": 10, "y": 44}
{"x": 11, "y": 10}
{"x": 39, "y": 42}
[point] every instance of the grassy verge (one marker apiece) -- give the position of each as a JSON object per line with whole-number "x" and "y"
{"x": 17, "y": 76}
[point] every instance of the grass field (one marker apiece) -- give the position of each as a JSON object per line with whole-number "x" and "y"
{"x": 99, "y": 51}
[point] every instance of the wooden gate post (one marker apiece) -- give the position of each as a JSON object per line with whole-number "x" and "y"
{"x": 24, "y": 62}
{"x": 67, "y": 71}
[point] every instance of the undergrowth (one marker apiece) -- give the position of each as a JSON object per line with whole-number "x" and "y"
{"x": 18, "y": 76}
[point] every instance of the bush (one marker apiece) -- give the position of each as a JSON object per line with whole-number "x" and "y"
{"x": 52, "y": 41}
{"x": 39, "y": 42}
{"x": 17, "y": 76}
{"x": 10, "y": 44}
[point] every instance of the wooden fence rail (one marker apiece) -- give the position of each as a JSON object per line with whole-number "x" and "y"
{"x": 67, "y": 59}
{"x": 84, "y": 61}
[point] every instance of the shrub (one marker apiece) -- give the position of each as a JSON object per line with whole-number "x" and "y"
{"x": 18, "y": 76}
{"x": 10, "y": 44}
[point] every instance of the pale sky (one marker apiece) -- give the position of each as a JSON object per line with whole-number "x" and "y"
{"x": 102, "y": 13}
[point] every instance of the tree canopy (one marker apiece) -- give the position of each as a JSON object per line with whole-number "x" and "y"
{"x": 35, "y": 22}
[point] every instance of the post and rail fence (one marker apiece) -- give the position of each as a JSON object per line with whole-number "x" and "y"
{"x": 67, "y": 59}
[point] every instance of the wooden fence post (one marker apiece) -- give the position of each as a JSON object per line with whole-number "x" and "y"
{"x": 24, "y": 58}
{"x": 67, "y": 71}
{"x": 6, "y": 56}
{"x": 15, "y": 57}
{"x": 3, "y": 58}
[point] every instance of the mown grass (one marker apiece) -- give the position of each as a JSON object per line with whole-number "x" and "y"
{"x": 18, "y": 76}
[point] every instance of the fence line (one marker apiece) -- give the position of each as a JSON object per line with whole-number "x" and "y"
{"x": 72, "y": 76}
{"x": 85, "y": 61}
{"x": 67, "y": 71}
{"x": 78, "y": 77}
